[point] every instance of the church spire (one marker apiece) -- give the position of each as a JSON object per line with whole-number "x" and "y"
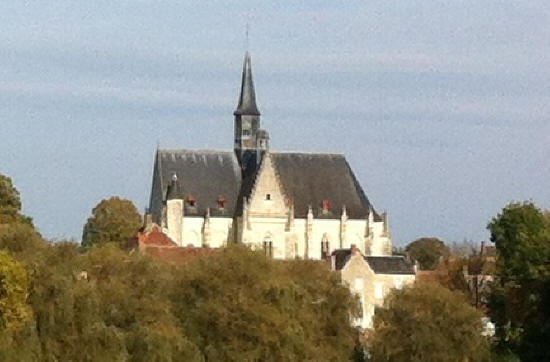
{"x": 247, "y": 100}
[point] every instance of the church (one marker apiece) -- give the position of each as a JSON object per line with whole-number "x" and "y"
{"x": 291, "y": 205}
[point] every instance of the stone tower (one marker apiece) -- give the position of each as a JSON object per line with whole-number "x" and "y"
{"x": 251, "y": 142}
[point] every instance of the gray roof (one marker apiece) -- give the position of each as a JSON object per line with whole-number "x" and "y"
{"x": 379, "y": 264}
{"x": 201, "y": 174}
{"x": 310, "y": 178}
{"x": 247, "y": 100}
{"x": 307, "y": 179}
{"x": 389, "y": 265}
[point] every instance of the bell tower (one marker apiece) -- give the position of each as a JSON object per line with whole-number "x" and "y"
{"x": 250, "y": 141}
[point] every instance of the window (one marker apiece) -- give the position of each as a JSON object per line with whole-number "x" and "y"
{"x": 358, "y": 284}
{"x": 325, "y": 248}
{"x": 268, "y": 248}
{"x": 398, "y": 283}
{"x": 378, "y": 290}
{"x": 268, "y": 197}
{"x": 191, "y": 201}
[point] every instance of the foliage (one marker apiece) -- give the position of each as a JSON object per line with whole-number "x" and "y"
{"x": 105, "y": 305}
{"x": 427, "y": 323}
{"x": 14, "y": 285}
{"x": 9, "y": 196}
{"x": 522, "y": 238}
{"x": 10, "y": 203}
{"x": 113, "y": 220}
{"x": 238, "y": 305}
{"x": 468, "y": 272}
{"x": 520, "y": 301}
{"x": 427, "y": 251}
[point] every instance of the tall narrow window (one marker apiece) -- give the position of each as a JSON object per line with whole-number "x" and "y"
{"x": 325, "y": 248}
{"x": 268, "y": 247}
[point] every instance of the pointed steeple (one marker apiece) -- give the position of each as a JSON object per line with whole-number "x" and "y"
{"x": 247, "y": 100}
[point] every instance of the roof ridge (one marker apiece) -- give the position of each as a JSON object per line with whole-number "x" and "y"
{"x": 309, "y": 153}
{"x": 188, "y": 150}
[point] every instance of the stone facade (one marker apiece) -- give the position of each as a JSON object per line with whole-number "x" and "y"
{"x": 372, "y": 282}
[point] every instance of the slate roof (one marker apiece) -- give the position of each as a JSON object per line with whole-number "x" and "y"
{"x": 307, "y": 179}
{"x": 342, "y": 257}
{"x": 310, "y": 178}
{"x": 247, "y": 100}
{"x": 389, "y": 265}
{"x": 204, "y": 175}
{"x": 379, "y": 264}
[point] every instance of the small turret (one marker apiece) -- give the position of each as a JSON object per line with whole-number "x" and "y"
{"x": 174, "y": 192}
{"x": 174, "y": 211}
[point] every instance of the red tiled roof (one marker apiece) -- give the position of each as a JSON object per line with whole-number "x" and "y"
{"x": 155, "y": 237}
{"x": 178, "y": 255}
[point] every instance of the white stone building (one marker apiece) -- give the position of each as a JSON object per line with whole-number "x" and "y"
{"x": 371, "y": 278}
{"x": 293, "y": 205}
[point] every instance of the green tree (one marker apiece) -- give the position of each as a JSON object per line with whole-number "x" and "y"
{"x": 113, "y": 220}
{"x": 427, "y": 251}
{"x": 427, "y": 323}
{"x": 106, "y": 305}
{"x": 238, "y": 305}
{"x": 10, "y": 203}
{"x": 520, "y": 301}
{"x": 522, "y": 238}
{"x": 9, "y": 196}
{"x": 14, "y": 289}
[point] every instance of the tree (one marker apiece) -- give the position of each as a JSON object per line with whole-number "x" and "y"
{"x": 106, "y": 305}
{"x": 10, "y": 203}
{"x": 113, "y": 220}
{"x": 9, "y": 196}
{"x": 238, "y": 305}
{"x": 427, "y": 323}
{"x": 14, "y": 288}
{"x": 427, "y": 251}
{"x": 522, "y": 238}
{"x": 520, "y": 301}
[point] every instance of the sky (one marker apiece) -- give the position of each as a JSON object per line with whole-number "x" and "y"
{"x": 441, "y": 107}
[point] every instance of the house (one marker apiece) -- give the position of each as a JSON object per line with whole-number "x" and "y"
{"x": 371, "y": 278}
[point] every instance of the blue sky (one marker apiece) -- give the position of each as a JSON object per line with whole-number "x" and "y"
{"x": 442, "y": 107}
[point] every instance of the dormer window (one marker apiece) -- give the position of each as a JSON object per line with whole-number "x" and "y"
{"x": 191, "y": 201}
{"x": 326, "y": 206}
{"x": 221, "y": 202}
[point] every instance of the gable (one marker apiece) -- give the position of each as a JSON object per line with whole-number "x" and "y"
{"x": 266, "y": 196}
